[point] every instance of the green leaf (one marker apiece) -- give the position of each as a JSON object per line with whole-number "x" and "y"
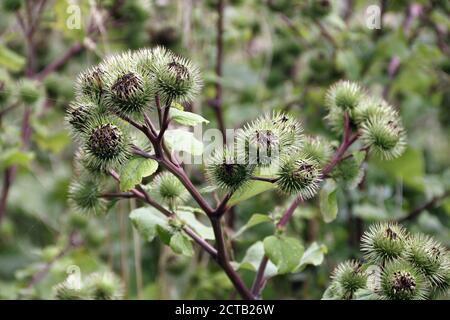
{"x": 12, "y": 157}
{"x": 164, "y": 234}
{"x": 11, "y": 60}
{"x": 252, "y": 260}
{"x": 328, "y": 201}
{"x": 182, "y": 140}
{"x": 254, "y": 220}
{"x": 181, "y": 244}
{"x": 366, "y": 294}
{"x": 134, "y": 170}
{"x": 313, "y": 255}
{"x": 409, "y": 168}
{"x": 284, "y": 252}
{"x": 203, "y": 231}
{"x": 146, "y": 220}
{"x": 252, "y": 189}
{"x": 186, "y": 118}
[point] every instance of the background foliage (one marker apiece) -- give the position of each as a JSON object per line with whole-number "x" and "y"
{"x": 277, "y": 55}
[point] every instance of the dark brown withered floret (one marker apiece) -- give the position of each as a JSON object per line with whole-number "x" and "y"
{"x": 181, "y": 72}
{"x": 105, "y": 140}
{"x": 127, "y": 85}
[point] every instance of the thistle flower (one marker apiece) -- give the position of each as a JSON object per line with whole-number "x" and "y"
{"x": 385, "y": 137}
{"x": 318, "y": 149}
{"x": 168, "y": 188}
{"x": 176, "y": 78}
{"x": 350, "y": 277}
{"x": 84, "y": 195}
{"x": 145, "y": 61}
{"x": 91, "y": 83}
{"x": 370, "y": 108}
{"x": 104, "y": 286}
{"x": 224, "y": 171}
{"x": 67, "y": 290}
{"x": 269, "y": 138}
{"x": 430, "y": 258}
{"x": 344, "y": 95}
{"x": 105, "y": 144}
{"x": 383, "y": 242}
{"x": 335, "y": 119}
{"x": 128, "y": 91}
{"x": 299, "y": 175}
{"x": 401, "y": 281}
{"x": 30, "y": 91}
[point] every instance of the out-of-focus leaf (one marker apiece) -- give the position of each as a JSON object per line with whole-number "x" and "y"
{"x": 11, "y": 60}
{"x": 134, "y": 170}
{"x": 367, "y": 211}
{"x": 15, "y": 156}
{"x": 328, "y": 201}
{"x": 409, "y": 168}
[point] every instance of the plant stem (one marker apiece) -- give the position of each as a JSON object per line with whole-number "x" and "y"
{"x": 142, "y": 195}
{"x": 427, "y": 205}
{"x": 223, "y": 260}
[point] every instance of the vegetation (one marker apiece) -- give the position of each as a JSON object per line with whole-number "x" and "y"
{"x": 224, "y": 149}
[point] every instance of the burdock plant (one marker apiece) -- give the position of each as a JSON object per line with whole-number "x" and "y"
{"x": 411, "y": 267}
{"x": 123, "y": 118}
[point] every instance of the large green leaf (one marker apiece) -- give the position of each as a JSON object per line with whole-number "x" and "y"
{"x": 328, "y": 201}
{"x": 284, "y": 252}
{"x": 181, "y": 244}
{"x": 14, "y": 156}
{"x": 146, "y": 220}
{"x": 182, "y": 140}
{"x": 186, "y": 118}
{"x": 134, "y": 170}
{"x": 199, "y": 228}
{"x": 252, "y": 189}
{"x": 313, "y": 255}
{"x": 254, "y": 220}
{"x": 252, "y": 260}
{"x": 409, "y": 168}
{"x": 11, "y": 60}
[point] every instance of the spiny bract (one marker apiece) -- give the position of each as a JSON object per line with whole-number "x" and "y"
{"x": 299, "y": 175}
{"x": 226, "y": 172}
{"x": 401, "y": 281}
{"x": 383, "y": 242}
